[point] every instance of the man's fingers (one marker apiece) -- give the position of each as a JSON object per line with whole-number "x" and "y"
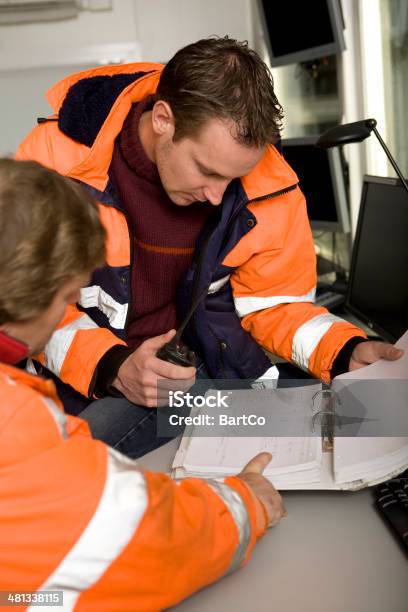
{"x": 392, "y": 353}
{"x": 257, "y": 464}
{"x": 369, "y": 352}
{"x": 158, "y": 341}
{"x": 164, "y": 369}
{"x": 383, "y": 350}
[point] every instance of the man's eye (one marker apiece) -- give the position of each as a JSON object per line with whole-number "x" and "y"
{"x": 205, "y": 172}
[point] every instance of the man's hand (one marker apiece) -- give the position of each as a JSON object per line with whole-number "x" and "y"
{"x": 369, "y": 352}
{"x": 138, "y": 375}
{"x": 262, "y": 488}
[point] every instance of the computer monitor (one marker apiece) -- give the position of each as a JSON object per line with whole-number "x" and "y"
{"x": 321, "y": 178}
{"x": 301, "y": 31}
{"x": 378, "y": 286}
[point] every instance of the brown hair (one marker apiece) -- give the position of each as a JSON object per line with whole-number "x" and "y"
{"x": 222, "y": 78}
{"x": 50, "y": 233}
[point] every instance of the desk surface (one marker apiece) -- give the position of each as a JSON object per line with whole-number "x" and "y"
{"x": 333, "y": 553}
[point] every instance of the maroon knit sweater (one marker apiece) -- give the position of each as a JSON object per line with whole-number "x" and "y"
{"x": 163, "y": 233}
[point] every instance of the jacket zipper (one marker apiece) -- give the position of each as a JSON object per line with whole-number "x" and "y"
{"x": 270, "y": 196}
{"x": 230, "y": 222}
{"x": 131, "y": 263}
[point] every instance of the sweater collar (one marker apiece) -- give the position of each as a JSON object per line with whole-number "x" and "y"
{"x": 131, "y": 146}
{"x": 12, "y": 350}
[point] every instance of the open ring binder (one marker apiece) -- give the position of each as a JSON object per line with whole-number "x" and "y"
{"x": 351, "y": 461}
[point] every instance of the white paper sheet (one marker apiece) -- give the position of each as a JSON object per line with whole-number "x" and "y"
{"x": 229, "y": 455}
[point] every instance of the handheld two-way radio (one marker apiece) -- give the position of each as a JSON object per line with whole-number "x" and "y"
{"x": 176, "y": 352}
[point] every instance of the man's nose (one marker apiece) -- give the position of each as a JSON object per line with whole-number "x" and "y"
{"x": 214, "y": 193}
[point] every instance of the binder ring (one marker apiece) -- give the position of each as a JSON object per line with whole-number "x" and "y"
{"x": 328, "y": 417}
{"x": 324, "y": 394}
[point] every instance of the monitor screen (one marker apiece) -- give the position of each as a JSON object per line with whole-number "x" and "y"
{"x": 321, "y": 179}
{"x": 378, "y": 286}
{"x": 300, "y": 31}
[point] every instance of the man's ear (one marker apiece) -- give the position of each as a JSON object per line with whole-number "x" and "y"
{"x": 163, "y": 119}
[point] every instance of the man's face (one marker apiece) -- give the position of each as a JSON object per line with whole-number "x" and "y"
{"x": 200, "y": 167}
{"x": 39, "y": 330}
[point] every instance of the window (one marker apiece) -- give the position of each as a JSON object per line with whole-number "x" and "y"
{"x": 394, "y": 20}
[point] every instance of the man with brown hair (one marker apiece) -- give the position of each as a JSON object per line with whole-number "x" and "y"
{"x": 182, "y": 161}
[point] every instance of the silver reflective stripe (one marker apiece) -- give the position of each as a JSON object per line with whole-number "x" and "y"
{"x": 96, "y": 297}
{"x": 58, "y": 416}
{"x": 238, "y": 510}
{"x": 58, "y": 346}
{"x": 308, "y": 337}
{"x": 117, "y": 517}
{"x": 248, "y": 304}
{"x": 30, "y": 367}
{"x": 216, "y": 285}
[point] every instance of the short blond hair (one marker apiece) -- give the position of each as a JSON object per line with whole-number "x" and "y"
{"x": 50, "y": 232}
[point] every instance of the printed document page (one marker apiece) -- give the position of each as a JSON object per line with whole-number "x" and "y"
{"x": 229, "y": 455}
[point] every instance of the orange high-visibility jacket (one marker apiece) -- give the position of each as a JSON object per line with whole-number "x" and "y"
{"x": 78, "y": 516}
{"x": 271, "y": 269}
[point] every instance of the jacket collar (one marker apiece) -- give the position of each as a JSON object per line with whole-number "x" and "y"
{"x": 270, "y": 176}
{"x": 94, "y": 161}
{"x": 17, "y": 375}
{"x": 57, "y": 93}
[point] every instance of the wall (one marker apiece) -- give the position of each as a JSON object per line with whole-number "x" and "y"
{"x": 164, "y": 26}
{"x": 34, "y": 56}
{"x": 40, "y": 43}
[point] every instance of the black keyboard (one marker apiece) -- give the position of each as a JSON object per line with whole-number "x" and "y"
{"x": 392, "y": 502}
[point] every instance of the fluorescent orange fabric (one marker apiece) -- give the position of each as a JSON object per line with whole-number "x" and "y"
{"x": 117, "y": 236}
{"x": 76, "y": 348}
{"x": 40, "y": 475}
{"x": 53, "y": 487}
{"x": 51, "y": 147}
{"x": 270, "y": 175}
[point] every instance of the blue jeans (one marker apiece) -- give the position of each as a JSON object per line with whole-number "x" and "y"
{"x": 129, "y": 428}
